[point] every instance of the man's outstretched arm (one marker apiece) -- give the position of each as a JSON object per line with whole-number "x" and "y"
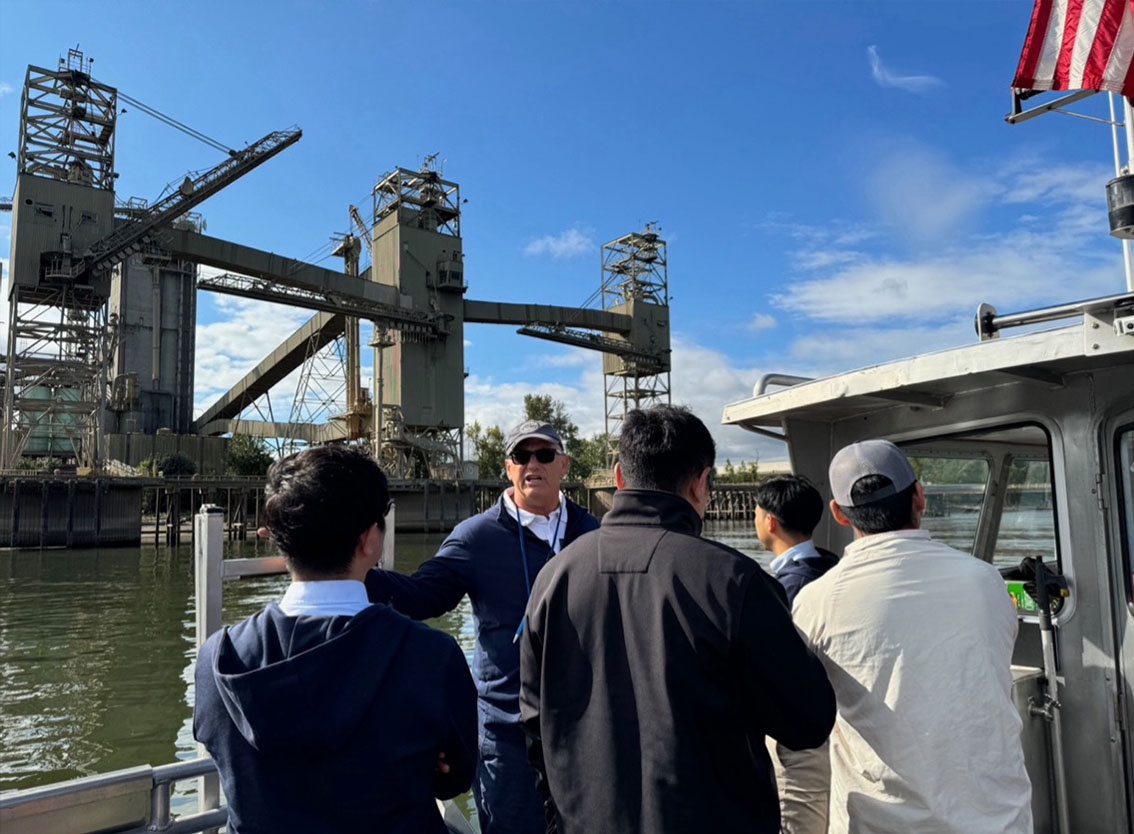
{"x": 435, "y": 587}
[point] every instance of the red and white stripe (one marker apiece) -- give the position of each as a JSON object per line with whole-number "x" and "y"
{"x": 1079, "y": 45}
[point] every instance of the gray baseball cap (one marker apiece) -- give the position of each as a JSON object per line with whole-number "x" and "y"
{"x": 532, "y": 430}
{"x": 868, "y": 457}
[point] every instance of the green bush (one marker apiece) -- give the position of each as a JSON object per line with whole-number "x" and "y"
{"x": 247, "y": 456}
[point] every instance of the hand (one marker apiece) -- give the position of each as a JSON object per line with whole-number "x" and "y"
{"x": 442, "y": 765}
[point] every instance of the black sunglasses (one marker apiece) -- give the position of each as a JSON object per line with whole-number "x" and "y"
{"x": 520, "y": 457}
{"x": 389, "y": 506}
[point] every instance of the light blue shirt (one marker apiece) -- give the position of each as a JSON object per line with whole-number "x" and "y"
{"x": 324, "y": 598}
{"x": 803, "y": 550}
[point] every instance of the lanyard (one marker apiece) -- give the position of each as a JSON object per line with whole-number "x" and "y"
{"x": 524, "y": 558}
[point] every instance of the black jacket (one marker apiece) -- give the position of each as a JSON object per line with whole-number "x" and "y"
{"x": 334, "y": 724}
{"x": 653, "y": 664}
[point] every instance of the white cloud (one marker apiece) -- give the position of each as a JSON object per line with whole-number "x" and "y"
{"x": 227, "y": 349}
{"x": 569, "y": 357}
{"x": 826, "y": 351}
{"x": 883, "y": 289}
{"x": 762, "y": 321}
{"x": 925, "y": 197}
{"x": 931, "y": 201}
{"x": 885, "y": 77}
{"x": 702, "y": 379}
{"x": 809, "y": 259}
{"x": 5, "y": 88}
{"x": 1029, "y": 180}
{"x": 567, "y": 244}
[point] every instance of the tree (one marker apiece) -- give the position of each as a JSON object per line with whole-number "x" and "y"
{"x": 247, "y": 456}
{"x": 589, "y": 456}
{"x": 547, "y": 410}
{"x": 487, "y": 449}
{"x": 747, "y": 472}
{"x": 169, "y": 465}
{"x": 950, "y": 470}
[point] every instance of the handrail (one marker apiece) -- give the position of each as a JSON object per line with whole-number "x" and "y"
{"x": 989, "y": 323}
{"x": 107, "y": 801}
{"x": 761, "y": 386}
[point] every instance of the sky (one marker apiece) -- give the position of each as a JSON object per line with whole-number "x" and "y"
{"x": 835, "y": 181}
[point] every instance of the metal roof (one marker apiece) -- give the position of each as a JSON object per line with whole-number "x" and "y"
{"x": 932, "y": 379}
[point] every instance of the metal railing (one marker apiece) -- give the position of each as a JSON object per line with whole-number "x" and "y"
{"x": 989, "y": 323}
{"x": 138, "y": 800}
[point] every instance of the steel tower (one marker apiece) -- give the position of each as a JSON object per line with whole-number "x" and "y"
{"x": 635, "y": 282}
{"x": 59, "y": 335}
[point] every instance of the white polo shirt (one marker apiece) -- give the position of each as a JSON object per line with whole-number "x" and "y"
{"x": 544, "y": 527}
{"x": 917, "y": 640}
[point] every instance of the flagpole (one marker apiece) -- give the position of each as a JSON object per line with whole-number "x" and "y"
{"x": 1118, "y": 172}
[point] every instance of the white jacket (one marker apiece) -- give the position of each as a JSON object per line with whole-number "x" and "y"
{"x": 917, "y": 640}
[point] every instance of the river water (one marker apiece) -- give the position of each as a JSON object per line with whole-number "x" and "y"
{"x": 97, "y": 649}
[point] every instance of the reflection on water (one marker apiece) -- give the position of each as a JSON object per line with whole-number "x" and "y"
{"x": 97, "y": 647}
{"x": 97, "y": 652}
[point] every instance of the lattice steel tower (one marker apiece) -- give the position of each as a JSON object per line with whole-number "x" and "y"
{"x": 635, "y": 282}
{"x": 59, "y": 335}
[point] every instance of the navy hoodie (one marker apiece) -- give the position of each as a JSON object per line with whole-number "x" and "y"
{"x": 334, "y": 724}
{"x": 794, "y": 575}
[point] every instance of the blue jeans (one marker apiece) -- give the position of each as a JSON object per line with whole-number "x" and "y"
{"x": 507, "y": 801}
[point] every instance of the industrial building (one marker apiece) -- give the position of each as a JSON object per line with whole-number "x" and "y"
{"x": 102, "y": 306}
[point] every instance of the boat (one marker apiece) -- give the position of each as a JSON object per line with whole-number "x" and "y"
{"x": 1042, "y": 420}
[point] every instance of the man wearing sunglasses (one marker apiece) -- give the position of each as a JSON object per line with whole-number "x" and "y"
{"x": 494, "y": 557}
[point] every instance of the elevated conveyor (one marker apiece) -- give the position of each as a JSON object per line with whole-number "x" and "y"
{"x": 314, "y": 433}
{"x": 267, "y": 269}
{"x": 315, "y": 333}
{"x": 495, "y": 312}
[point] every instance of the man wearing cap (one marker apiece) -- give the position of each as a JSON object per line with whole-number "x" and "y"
{"x": 917, "y": 639}
{"x": 494, "y": 557}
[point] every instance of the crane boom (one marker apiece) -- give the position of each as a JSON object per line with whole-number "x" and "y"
{"x": 363, "y": 231}
{"x": 645, "y": 360}
{"x": 120, "y": 243}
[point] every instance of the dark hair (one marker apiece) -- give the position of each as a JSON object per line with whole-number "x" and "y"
{"x": 793, "y": 500}
{"x": 319, "y": 501}
{"x": 664, "y": 448}
{"x": 894, "y": 512}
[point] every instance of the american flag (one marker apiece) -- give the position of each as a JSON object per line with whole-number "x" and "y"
{"x": 1079, "y": 45}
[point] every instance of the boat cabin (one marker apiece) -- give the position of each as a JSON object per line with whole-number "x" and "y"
{"x": 1025, "y": 447}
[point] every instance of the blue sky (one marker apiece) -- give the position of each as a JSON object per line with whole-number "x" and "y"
{"x": 835, "y": 180}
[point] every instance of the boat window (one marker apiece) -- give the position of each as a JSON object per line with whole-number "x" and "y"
{"x": 1027, "y": 523}
{"x": 955, "y": 488}
{"x": 1126, "y": 497}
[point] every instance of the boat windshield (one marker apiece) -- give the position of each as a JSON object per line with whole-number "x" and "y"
{"x": 990, "y": 492}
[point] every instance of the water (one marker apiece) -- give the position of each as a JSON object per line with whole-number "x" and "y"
{"x": 97, "y": 647}
{"x": 97, "y": 651}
